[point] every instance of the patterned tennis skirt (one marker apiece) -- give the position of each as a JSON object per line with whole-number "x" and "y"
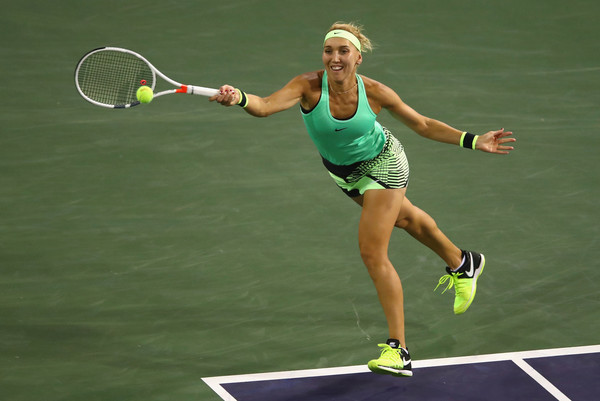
{"x": 388, "y": 170}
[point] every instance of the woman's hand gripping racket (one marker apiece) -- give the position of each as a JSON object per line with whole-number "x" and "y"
{"x": 111, "y": 76}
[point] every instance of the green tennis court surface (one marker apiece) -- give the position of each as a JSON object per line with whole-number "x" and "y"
{"x": 144, "y": 249}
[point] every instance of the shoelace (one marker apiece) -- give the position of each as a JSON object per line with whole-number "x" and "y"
{"x": 390, "y": 353}
{"x": 454, "y": 281}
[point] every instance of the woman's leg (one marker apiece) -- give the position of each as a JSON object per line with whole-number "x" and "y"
{"x": 423, "y": 228}
{"x": 380, "y": 211}
{"x": 463, "y": 277}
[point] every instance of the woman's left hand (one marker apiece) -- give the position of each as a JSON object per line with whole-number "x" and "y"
{"x": 495, "y": 142}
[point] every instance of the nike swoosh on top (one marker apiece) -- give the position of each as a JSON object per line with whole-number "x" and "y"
{"x": 340, "y": 129}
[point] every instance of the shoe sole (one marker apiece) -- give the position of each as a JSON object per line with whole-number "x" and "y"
{"x": 386, "y": 370}
{"x": 473, "y": 286}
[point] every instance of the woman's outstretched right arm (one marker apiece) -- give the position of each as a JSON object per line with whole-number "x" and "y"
{"x": 283, "y": 99}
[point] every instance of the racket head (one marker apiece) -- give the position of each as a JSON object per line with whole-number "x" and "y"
{"x": 110, "y": 77}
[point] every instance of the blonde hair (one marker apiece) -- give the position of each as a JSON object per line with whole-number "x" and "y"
{"x": 355, "y": 30}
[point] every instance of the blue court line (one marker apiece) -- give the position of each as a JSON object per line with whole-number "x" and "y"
{"x": 550, "y": 374}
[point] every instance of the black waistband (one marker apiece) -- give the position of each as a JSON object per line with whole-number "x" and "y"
{"x": 346, "y": 170}
{"x": 340, "y": 171}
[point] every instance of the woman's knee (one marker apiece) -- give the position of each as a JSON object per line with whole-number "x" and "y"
{"x": 413, "y": 219}
{"x": 373, "y": 257}
{"x": 407, "y": 215}
{"x": 402, "y": 222}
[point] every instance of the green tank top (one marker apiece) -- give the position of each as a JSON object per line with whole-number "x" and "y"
{"x": 348, "y": 141}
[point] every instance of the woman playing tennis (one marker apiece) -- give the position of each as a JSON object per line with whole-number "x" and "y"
{"x": 367, "y": 162}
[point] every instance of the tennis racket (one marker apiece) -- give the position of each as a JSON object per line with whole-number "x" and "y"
{"x": 111, "y": 76}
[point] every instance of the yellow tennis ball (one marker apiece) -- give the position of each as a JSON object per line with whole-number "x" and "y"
{"x": 144, "y": 94}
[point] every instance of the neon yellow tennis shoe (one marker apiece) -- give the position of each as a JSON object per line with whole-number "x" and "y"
{"x": 464, "y": 280}
{"x": 393, "y": 361}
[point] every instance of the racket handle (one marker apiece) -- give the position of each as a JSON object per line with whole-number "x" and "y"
{"x": 197, "y": 90}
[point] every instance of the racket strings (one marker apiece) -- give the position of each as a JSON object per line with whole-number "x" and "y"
{"x": 113, "y": 77}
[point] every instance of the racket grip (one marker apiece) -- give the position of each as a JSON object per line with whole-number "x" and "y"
{"x": 197, "y": 90}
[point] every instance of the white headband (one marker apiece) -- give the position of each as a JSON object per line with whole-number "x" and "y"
{"x": 340, "y": 33}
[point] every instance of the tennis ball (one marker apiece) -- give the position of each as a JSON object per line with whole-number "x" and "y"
{"x": 144, "y": 94}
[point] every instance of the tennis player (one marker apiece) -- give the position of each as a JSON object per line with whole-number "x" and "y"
{"x": 368, "y": 163}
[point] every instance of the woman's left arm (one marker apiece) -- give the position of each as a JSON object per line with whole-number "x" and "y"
{"x": 492, "y": 141}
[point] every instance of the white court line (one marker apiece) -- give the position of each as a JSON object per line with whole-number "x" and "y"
{"x": 215, "y": 382}
{"x": 542, "y": 381}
